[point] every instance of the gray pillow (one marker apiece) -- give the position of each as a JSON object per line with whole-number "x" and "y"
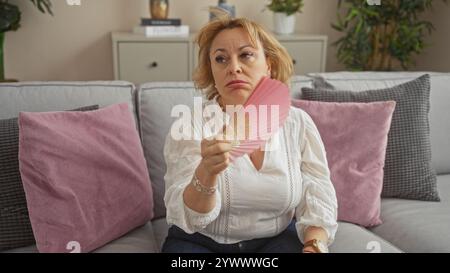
{"x": 15, "y": 225}
{"x": 408, "y": 172}
{"x": 321, "y": 83}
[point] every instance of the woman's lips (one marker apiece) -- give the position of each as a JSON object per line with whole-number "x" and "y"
{"x": 237, "y": 84}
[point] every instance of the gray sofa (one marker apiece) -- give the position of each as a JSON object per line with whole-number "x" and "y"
{"x": 408, "y": 226}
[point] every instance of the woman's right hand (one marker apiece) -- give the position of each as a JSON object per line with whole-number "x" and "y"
{"x": 215, "y": 159}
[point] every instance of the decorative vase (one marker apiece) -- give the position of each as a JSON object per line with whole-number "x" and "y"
{"x": 283, "y": 23}
{"x": 222, "y": 7}
{"x": 159, "y": 9}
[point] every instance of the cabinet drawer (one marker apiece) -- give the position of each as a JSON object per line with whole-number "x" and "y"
{"x": 141, "y": 62}
{"x": 306, "y": 55}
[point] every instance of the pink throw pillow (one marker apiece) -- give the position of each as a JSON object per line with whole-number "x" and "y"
{"x": 355, "y": 138}
{"x": 84, "y": 175}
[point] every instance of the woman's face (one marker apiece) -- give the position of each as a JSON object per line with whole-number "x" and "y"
{"x": 236, "y": 65}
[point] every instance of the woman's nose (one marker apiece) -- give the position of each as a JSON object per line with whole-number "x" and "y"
{"x": 235, "y": 67}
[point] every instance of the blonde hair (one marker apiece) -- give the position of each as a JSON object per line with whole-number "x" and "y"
{"x": 278, "y": 58}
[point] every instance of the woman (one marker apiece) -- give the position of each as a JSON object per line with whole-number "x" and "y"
{"x": 248, "y": 205}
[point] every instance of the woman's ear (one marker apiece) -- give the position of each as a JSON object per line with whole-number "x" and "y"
{"x": 269, "y": 69}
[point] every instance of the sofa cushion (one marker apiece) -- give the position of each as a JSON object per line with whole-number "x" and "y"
{"x": 139, "y": 240}
{"x": 417, "y": 226}
{"x": 84, "y": 176}
{"x": 408, "y": 172}
{"x": 15, "y": 226}
{"x": 351, "y": 238}
{"x": 439, "y": 96}
{"x": 355, "y": 136}
{"x": 155, "y": 102}
{"x": 160, "y": 229}
{"x": 52, "y": 96}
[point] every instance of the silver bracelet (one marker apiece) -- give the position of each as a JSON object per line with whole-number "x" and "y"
{"x": 201, "y": 188}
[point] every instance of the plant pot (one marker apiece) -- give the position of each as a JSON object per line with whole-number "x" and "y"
{"x": 283, "y": 24}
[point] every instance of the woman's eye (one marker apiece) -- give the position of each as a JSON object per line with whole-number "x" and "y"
{"x": 220, "y": 59}
{"x": 247, "y": 55}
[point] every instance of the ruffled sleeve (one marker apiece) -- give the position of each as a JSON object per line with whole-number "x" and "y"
{"x": 182, "y": 158}
{"x": 318, "y": 205}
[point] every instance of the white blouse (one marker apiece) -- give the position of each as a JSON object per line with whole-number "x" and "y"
{"x": 294, "y": 181}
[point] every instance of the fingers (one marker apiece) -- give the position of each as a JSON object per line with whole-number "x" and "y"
{"x": 206, "y": 143}
{"x": 215, "y": 147}
{"x": 221, "y": 147}
{"x": 215, "y": 155}
{"x": 216, "y": 164}
{"x": 218, "y": 159}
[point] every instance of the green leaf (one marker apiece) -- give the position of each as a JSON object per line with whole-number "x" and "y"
{"x": 286, "y": 6}
{"x": 10, "y": 14}
{"x": 9, "y": 17}
{"x": 337, "y": 27}
{"x": 44, "y": 6}
{"x": 353, "y": 13}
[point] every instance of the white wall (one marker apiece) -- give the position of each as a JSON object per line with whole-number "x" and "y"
{"x": 75, "y": 44}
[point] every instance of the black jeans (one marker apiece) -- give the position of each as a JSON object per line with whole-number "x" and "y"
{"x": 179, "y": 241}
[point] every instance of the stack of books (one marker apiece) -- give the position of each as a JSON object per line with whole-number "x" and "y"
{"x": 162, "y": 28}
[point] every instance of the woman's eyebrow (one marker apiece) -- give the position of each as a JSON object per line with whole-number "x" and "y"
{"x": 220, "y": 49}
{"x": 224, "y": 50}
{"x": 244, "y": 46}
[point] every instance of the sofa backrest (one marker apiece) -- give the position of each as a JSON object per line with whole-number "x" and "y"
{"x": 297, "y": 83}
{"x": 439, "y": 99}
{"x": 59, "y": 96}
{"x": 155, "y": 102}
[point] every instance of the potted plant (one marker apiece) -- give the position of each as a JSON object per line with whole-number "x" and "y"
{"x": 284, "y": 14}
{"x": 381, "y": 37}
{"x": 10, "y": 21}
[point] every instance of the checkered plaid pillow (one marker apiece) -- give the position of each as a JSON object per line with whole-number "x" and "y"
{"x": 408, "y": 172}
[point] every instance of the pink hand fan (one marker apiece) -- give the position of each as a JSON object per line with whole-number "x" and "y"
{"x": 269, "y": 103}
